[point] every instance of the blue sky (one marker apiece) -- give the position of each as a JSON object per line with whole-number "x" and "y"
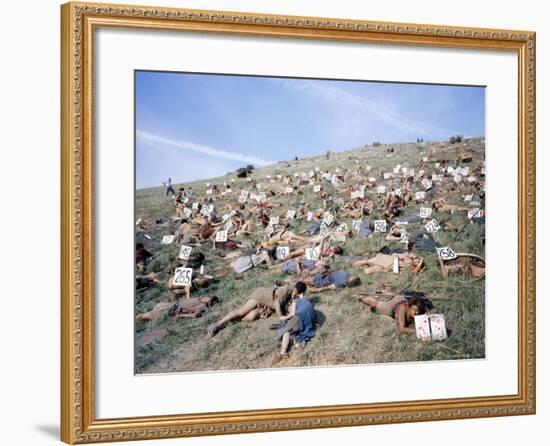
{"x": 195, "y": 126}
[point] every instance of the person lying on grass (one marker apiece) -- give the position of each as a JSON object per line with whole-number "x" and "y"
{"x": 260, "y": 304}
{"x": 330, "y": 281}
{"x": 398, "y": 307}
{"x": 298, "y": 326}
{"x": 384, "y": 262}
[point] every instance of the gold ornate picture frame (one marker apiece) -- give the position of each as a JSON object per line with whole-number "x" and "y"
{"x": 79, "y": 23}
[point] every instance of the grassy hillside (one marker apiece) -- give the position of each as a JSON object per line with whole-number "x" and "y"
{"x": 348, "y": 332}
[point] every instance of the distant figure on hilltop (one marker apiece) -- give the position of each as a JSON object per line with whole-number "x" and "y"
{"x": 168, "y": 188}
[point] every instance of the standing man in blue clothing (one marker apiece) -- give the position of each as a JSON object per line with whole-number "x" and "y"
{"x": 168, "y": 188}
{"x": 299, "y": 324}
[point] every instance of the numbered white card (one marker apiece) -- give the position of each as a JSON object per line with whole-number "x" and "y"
{"x": 313, "y": 253}
{"x": 426, "y": 183}
{"x": 205, "y": 210}
{"x": 187, "y": 212}
{"x": 381, "y": 189}
{"x": 397, "y": 192}
{"x": 221, "y": 236}
{"x": 387, "y": 176}
{"x": 380, "y": 225}
{"x": 372, "y": 180}
{"x": 228, "y": 225}
{"x": 356, "y": 225}
{"x": 242, "y": 199}
{"x": 420, "y": 195}
{"x": 317, "y": 188}
{"x": 274, "y": 220}
{"x": 425, "y": 212}
{"x": 446, "y": 253}
{"x": 208, "y": 191}
{"x": 168, "y": 239}
{"x": 311, "y": 173}
{"x": 289, "y": 190}
{"x": 195, "y": 206}
{"x": 422, "y": 326}
{"x": 309, "y": 216}
{"x": 290, "y": 214}
{"x": 185, "y": 252}
{"x": 468, "y": 197}
{"x": 328, "y": 219}
{"x": 183, "y": 276}
{"x": 323, "y": 230}
{"x": 403, "y": 236}
{"x": 437, "y": 327}
{"x": 269, "y": 230}
{"x": 342, "y": 228}
{"x": 282, "y": 252}
{"x": 432, "y": 226}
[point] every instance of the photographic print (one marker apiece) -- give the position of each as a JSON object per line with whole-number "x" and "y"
{"x": 293, "y": 222}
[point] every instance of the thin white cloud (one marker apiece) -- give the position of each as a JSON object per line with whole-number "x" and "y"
{"x": 375, "y": 110}
{"x": 205, "y": 150}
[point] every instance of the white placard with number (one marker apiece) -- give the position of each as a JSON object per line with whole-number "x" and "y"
{"x": 372, "y": 180}
{"x": 381, "y": 189}
{"x": 313, "y": 253}
{"x": 432, "y": 226}
{"x": 356, "y": 225}
{"x": 468, "y": 197}
{"x": 420, "y": 195}
{"x": 195, "y": 206}
{"x": 274, "y": 220}
{"x": 422, "y": 326}
{"x": 168, "y": 239}
{"x": 426, "y": 183}
{"x": 403, "y": 236}
{"x": 228, "y": 225}
{"x": 183, "y": 276}
{"x": 309, "y": 216}
{"x": 205, "y": 211}
{"x": 282, "y": 252}
{"x": 187, "y": 212}
{"x": 425, "y": 212}
{"x": 380, "y": 225}
{"x": 342, "y": 228}
{"x": 269, "y": 230}
{"x": 317, "y": 188}
{"x": 328, "y": 219}
{"x": 387, "y": 176}
{"x": 289, "y": 190}
{"x": 446, "y": 253}
{"x": 221, "y": 236}
{"x": 290, "y": 214}
{"x": 185, "y": 252}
